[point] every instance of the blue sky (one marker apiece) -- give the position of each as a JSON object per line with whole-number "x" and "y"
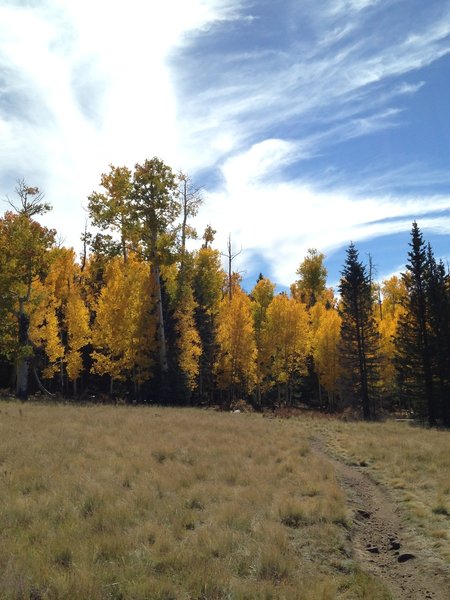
{"x": 308, "y": 124}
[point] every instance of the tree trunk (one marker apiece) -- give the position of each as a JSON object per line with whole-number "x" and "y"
{"x": 23, "y": 365}
{"x": 22, "y": 378}
{"x": 162, "y": 346}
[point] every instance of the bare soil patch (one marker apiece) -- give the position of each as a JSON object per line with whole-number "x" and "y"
{"x": 382, "y": 543}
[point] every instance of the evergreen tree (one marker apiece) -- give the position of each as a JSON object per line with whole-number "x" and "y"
{"x": 438, "y": 299}
{"x": 359, "y": 337}
{"x": 414, "y": 346}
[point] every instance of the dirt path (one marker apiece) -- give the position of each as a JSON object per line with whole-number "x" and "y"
{"x": 382, "y": 544}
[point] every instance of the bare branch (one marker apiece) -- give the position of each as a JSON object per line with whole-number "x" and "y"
{"x": 30, "y": 200}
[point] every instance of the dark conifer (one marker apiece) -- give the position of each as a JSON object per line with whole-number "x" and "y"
{"x": 413, "y": 343}
{"x": 359, "y": 338}
{"x": 438, "y": 301}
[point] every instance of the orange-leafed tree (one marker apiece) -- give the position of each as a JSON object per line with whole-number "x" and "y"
{"x": 312, "y": 278}
{"x": 189, "y": 346}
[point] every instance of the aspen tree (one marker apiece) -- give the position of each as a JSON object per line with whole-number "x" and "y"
{"x": 312, "y": 281}
{"x": 235, "y": 365}
{"x": 24, "y": 245}
{"x": 287, "y": 343}
{"x": 207, "y": 283}
{"x": 326, "y": 353}
{"x": 124, "y": 329}
{"x": 63, "y": 315}
{"x": 156, "y": 208}
{"x": 111, "y": 208}
{"x": 261, "y": 295}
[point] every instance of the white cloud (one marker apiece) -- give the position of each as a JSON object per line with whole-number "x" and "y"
{"x": 280, "y": 221}
{"x": 93, "y": 82}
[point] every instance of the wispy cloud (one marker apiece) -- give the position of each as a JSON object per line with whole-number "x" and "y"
{"x": 84, "y": 84}
{"x": 263, "y": 101}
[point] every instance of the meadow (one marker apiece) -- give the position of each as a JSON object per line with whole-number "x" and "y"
{"x": 122, "y": 502}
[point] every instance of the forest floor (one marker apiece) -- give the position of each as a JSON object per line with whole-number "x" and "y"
{"x": 382, "y": 543}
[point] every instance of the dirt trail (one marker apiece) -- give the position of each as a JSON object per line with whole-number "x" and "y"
{"x": 382, "y": 544}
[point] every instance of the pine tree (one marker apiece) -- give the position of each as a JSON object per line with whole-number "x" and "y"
{"x": 413, "y": 343}
{"x": 359, "y": 337}
{"x": 438, "y": 298}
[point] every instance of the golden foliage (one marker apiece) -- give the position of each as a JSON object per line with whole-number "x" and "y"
{"x": 325, "y": 349}
{"x": 124, "y": 330}
{"x": 60, "y": 321}
{"x": 188, "y": 341}
{"x": 235, "y": 366}
{"x": 286, "y": 338}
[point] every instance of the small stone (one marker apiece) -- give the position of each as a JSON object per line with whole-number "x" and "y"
{"x": 373, "y": 549}
{"x": 394, "y": 545}
{"x": 365, "y": 514}
{"x": 405, "y": 557}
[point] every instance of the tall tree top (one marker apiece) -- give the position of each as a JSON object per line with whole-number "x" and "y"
{"x": 30, "y": 200}
{"x": 313, "y": 277}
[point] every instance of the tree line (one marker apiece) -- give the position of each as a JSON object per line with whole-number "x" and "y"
{"x": 142, "y": 318}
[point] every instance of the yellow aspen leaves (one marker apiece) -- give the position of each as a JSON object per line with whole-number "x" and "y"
{"x": 326, "y": 351}
{"x": 286, "y": 340}
{"x": 188, "y": 339}
{"x": 235, "y": 366}
{"x": 60, "y": 323}
{"x": 123, "y": 334}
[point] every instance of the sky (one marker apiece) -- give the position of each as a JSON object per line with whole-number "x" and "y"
{"x": 307, "y": 124}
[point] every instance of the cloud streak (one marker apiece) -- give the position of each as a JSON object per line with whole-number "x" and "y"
{"x": 293, "y": 117}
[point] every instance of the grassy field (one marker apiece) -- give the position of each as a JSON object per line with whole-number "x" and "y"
{"x": 153, "y": 503}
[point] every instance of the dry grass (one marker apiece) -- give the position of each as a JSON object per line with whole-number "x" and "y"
{"x": 413, "y": 462}
{"x": 152, "y": 503}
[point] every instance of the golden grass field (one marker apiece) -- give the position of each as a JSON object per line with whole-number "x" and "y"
{"x": 102, "y": 502}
